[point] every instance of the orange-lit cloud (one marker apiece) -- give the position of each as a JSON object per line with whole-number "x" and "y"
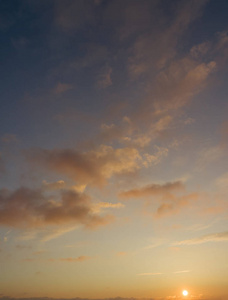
{"x": 176, "y": 85}
{"x": 170, "y": 194}
{"x": 175, "y": 204}
{"x": 60, "y": 184}
{"x": 145, "y": 56}
{"x": 75, "y": 259}
{"x": 31, "y": 208}
{"x": 92, "y": 167}
{"x": 153, "y": 190}
{"x": 103, "y": 205}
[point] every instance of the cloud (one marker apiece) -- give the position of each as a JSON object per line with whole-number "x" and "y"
{"x": 26, "y": 208}
{"x": 154, "y": 159}
{"x": 67, "y": 259}
{"x": 47, "y": 233}
{"x": 216, "y": 237}
{"x": 200, "y": 50}
{"x": 98, "y": 207}
{"x": 95, "y": 54}
{"x": 179, "y": 82}
{"x": 171, "y": 204}
{"x": 210, "y": 155}
{"x": 75, "y": 259}
{"x": 153, "y": 190}
{"x": 60, "y": 184}
{"x": 61, "y": 88}
{"x": 104, "y": 79}
{"x": 54, "y": 233}
{"x": 145, "y": 57}
{"x": 175, "y": 204}
{"x": 92, "y": 167}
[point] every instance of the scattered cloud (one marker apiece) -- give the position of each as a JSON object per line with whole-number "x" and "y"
{"x": 170, "y": 194}
{"x": 31, "y": 208}
{"x": 145, "y": 56}
{"x": 177, "y": 84}
{"x": 94, "y": 167}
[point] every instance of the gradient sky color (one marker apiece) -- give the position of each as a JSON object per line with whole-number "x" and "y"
{"x": 114, "y": 142}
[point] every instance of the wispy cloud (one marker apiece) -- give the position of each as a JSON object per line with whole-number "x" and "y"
{"x": 61, "y": 88}
{"x": 103, "y": 205}
{"x": 104, "y": 78}
{"x": 67, "y": 259}
{"x": 153, "y": 189}
{"x": 216, "y": 237}
{"x": 75, "y": 259}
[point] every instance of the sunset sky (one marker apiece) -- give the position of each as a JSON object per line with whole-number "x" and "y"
{"x": 114, "y": 149}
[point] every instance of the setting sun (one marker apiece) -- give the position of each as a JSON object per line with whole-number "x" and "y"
{"x": 185, "y": 293}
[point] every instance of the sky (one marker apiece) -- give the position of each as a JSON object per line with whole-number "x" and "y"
{"x": 113, "y": 149}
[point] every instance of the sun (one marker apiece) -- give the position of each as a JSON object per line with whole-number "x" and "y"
{"x": 185, "y": 293}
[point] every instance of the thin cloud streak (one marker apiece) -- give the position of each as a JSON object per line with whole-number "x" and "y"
{"x": 216, "y": 237}
{"x": 153, "y": 189}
